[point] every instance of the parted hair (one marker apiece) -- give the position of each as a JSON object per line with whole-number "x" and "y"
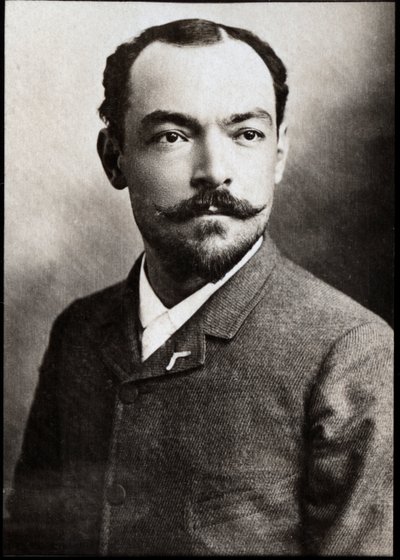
{"x": 193, "y": 32}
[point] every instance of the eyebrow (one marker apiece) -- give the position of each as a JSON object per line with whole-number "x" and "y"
{"x": 182, "y": 119}
{"x": 161, "y": 117}
{"x": 241, "y": 117}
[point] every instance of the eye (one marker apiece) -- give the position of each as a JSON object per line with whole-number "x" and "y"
{"x": 250, "y": 135}
{"x": 170, "y": 137}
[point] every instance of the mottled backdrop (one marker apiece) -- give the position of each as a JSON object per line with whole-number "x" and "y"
{"x": 68, "y": 233}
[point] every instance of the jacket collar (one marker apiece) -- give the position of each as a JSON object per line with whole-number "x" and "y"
{"x": 227, "y": 309}
{"x": 221, "y": 316}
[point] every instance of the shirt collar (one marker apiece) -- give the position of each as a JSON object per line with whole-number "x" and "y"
{"x": 151, "y": 307}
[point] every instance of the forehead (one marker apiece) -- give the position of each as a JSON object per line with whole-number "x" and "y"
{"x": 203, "y": 81}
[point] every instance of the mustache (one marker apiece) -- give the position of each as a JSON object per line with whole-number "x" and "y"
{"x": 198, "y": 204}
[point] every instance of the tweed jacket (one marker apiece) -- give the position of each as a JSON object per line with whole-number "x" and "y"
{"x": 274, "y": 436}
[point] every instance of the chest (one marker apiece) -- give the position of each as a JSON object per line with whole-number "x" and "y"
{"x": 190, "y": 459}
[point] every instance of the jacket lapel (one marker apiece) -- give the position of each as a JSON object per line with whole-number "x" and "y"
{"x": 119, "y": 329}
{"x": 224, "y": 313}
{"x": 185, "y": 350}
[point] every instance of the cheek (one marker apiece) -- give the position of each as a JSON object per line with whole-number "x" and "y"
{"x": 156, "y": 180}
{"x": 257, "y": 178}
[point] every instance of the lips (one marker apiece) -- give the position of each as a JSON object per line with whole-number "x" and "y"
{"x": 212, "y": 211}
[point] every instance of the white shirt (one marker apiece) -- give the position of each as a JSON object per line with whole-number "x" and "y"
{"x": 159, "y": 322}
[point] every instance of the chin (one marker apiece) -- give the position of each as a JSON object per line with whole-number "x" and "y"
{"x": 207, "y": 249}
{"x": 215, "y": 249}
{"x": 210, "y": 230}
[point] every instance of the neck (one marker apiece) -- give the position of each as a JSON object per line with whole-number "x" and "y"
{"x": 164, "y": 283}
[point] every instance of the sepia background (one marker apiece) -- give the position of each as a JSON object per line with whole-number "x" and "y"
{"x": 68, "y": 233}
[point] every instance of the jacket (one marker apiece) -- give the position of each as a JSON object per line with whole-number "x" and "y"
{"x": 274, "y": 436}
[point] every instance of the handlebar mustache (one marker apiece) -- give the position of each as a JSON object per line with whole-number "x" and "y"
{"x": 199, "y": 203}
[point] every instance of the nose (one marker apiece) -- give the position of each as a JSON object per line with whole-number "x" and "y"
{"x": 212, "y": 162}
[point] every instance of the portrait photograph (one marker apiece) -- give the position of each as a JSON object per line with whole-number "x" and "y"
{"x": 198, "y": 288}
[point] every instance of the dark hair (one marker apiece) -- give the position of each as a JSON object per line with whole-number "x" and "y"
{"x": 181, "y": 32}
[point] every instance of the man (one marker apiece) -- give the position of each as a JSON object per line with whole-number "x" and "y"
{"x": 221, "y": 400}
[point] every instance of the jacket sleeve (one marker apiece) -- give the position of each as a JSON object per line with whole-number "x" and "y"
{"x": 35, "y": 504}
{"x": 347, "y": 501}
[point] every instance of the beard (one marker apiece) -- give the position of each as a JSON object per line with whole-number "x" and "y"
{"x": 189, "y": 246}
{"x": 202, "y": 255}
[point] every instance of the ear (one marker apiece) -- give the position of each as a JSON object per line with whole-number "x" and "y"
{"x": 282, "y": 152}
{"x": 109, "y": 153}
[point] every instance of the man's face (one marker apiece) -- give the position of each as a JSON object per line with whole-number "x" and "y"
{"x": 202, "y": 124}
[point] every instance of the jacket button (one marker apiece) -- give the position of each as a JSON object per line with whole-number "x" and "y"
{"x": 115, "y": 494}
{"x": 128, "y": 393}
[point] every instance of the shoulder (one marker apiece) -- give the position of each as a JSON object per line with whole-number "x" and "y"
{"x": 309, "y": 318}
{"x": 102, "y": 306}
{"x": 309, "y": 300}
{"x": 89, "y": 312}
{"x": 315, "y": 332}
